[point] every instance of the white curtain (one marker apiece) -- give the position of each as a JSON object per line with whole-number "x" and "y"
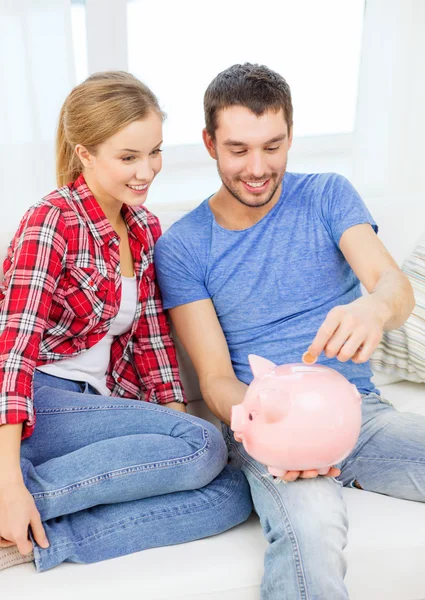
{"x": 389, "y": 151}
{"x": 36, "y": 74}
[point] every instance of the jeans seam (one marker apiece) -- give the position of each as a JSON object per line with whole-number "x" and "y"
{"x": 354, "y": 454}
{"x": 287, "y": 521}
{"x": 88, "y": 408}
{"x": 123, "y": 472}
{"x": 378, "y": 397}
{"x": 164, "y": 514}
{"x": 386, "y": 459}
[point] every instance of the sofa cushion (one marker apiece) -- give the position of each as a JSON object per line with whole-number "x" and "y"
{"x": 406, "y": 397}
{"x": 402, "y": 351}
{"x": 385, "y": 552}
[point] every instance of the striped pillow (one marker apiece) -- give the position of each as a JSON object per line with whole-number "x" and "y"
{"x": 402, "y": 351}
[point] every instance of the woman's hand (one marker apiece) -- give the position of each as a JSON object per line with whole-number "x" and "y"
{"x": 17, "y": 513}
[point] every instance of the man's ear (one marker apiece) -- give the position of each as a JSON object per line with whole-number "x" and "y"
{"x": 84, "y": 155}
{"x": 290, "y": 137}
{"x": 209, "y": 144}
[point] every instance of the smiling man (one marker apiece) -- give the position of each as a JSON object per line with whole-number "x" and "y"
{"x": 271, "y": 265}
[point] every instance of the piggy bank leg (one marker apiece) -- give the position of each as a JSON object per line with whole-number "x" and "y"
{"x": 276, "y": 472}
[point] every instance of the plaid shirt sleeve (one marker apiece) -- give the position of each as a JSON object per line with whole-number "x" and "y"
{"x": 31, "y": 271}
{"x": 155, "y": 353}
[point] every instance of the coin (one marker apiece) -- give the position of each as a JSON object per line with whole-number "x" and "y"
{"x": 308, "y": 358}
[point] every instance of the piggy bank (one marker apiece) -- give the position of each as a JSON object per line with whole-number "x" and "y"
{"x": 296, "y": 417}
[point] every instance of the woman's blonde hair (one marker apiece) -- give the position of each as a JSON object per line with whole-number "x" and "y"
{"x": 94, "y": 111}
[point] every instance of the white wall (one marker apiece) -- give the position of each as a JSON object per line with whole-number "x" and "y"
{"x": 36, "y": 73}
{"x": 383, "y": 159}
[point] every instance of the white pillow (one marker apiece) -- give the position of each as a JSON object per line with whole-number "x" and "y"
{"x": 402, "y": 351}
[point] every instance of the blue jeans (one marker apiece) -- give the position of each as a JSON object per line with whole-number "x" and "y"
{"x": 111, "y": 476}
{"x": 306, "y": 522}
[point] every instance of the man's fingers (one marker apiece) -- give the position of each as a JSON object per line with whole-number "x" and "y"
{"x": 333, "y": 472}
{"x": 38, "y": 531}
{"x": 291, "y": 476}
{"x": 324, "y": 334}
{"x": 310, "y": 474}
{"x": 364, "y": 353}
{"x": 351, "y": 347}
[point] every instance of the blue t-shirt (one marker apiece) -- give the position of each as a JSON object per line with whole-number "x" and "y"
{"x": 273, "y": 284}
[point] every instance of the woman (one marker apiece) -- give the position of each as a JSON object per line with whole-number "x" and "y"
{"x": 114, "y": 464}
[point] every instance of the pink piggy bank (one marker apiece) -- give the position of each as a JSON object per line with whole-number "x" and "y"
{"x": 297, "y": 417}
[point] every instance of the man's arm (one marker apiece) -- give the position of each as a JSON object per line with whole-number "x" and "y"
{"x": 200, "y": 332}
{"x": 354, "y": 331}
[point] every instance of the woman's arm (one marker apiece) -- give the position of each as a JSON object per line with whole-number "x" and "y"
{"x": 155, "y": 353}
{"x": 17, "y": 507}
{"x": 32, "y": 270}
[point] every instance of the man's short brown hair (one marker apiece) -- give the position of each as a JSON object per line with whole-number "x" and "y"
{"x": 256, "y": 87}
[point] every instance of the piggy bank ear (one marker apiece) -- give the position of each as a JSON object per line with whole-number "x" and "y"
{"x": 275, "y": 405}
{"x": 260, "y": 366}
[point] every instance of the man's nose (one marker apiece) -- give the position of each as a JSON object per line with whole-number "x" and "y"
{"x": 256, "y": 166}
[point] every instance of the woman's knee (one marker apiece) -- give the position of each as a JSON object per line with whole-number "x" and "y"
{"x": 208, "y": 455}
{"x": 213, "y": 457}
{"x": 230, "y": 495}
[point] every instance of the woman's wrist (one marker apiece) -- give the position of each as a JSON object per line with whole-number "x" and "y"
{"x": 10, "y": 449}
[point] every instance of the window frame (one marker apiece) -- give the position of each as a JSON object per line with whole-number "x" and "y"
{"x": 102, "y": 55}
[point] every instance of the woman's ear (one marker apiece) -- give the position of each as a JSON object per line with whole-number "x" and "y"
{"x": 84, "y": 155}
{"x": 209, "y": 144}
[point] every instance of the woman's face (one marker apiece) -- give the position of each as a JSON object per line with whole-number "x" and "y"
{"x": 125, "y": 165}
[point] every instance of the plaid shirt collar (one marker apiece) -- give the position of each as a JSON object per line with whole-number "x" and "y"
{"x": 96, "y": 220}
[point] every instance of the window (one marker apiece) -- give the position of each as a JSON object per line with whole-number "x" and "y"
{"x": 79, "y": 39}
{"x": 177, "y": 47}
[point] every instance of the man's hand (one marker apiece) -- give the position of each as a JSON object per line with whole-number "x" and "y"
{"x": 352, "y": 331}
{"x": 293, "y": 475}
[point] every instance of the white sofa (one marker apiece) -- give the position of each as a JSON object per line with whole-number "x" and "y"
{"x": 386, "y": 548}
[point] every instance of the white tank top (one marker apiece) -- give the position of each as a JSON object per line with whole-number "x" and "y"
{"x": 92, "y": 364}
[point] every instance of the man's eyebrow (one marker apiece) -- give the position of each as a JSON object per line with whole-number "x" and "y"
{"x": 277, "y": 138}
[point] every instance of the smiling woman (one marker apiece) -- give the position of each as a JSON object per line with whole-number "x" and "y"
{"x": 85, "y": 343}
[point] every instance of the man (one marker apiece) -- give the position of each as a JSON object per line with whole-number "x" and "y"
{"x": 271, "y": 265}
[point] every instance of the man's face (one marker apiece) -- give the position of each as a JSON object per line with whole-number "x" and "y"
{"x": 251, "y": 153}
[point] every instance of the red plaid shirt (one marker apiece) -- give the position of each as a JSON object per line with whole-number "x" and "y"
{"x": 62, "y": 289}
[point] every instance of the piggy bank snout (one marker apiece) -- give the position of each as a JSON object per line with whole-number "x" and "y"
{"x": 238, "y": 418}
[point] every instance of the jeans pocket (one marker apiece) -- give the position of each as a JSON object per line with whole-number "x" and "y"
{"x": 226, "y": 433}
{"x": 376, "y": 397}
